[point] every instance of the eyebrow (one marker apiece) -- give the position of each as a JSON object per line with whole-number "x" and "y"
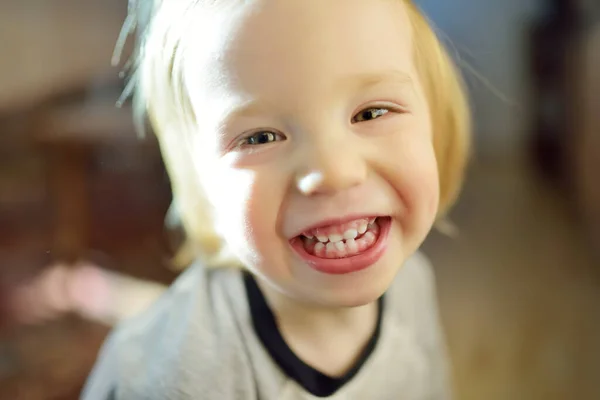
{"x": 246, "y": 108}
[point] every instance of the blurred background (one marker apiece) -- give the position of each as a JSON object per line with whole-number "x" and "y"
{"x": 83, "y": 200}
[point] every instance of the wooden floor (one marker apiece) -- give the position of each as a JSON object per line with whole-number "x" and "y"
{"x": 519, "y": 292}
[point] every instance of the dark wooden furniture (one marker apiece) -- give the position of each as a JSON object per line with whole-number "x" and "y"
{"x": 565, "y": 71}
{"x": 585, "y": 165}
{"x": 75, "y": 182}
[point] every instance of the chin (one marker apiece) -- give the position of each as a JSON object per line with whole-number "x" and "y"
{"x": 355, "y": 291}
{"x": 352, "y": 297}
{"x": 355, "y": 300}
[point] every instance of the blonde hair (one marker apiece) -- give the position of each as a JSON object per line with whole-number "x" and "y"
{"x": 160, "y": 96}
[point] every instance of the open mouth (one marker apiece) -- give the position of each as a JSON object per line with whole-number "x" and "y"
{"x": 342, "y": 241}
{"x": 346, "y": 247}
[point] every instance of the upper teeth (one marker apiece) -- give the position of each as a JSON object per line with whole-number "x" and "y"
{"x": 349, "y": 234}
{"x": 362, "y": 228}
{"x": 334, "y": 237}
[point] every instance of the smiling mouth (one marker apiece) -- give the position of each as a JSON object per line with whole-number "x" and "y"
{"x": 342, "y": 241}
{"x": 345, "y": 248}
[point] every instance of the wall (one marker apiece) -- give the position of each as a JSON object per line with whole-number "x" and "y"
{"x": 491, "y": 36}
{"x": 46, "y": 45}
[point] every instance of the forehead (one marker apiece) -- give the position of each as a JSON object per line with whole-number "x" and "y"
{"x": 273, "y": 48}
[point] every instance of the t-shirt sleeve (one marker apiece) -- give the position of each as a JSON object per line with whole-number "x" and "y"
{"x": 102, "y": 382}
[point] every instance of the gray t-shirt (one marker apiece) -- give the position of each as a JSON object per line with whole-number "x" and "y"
{"x": 198, "y": 342}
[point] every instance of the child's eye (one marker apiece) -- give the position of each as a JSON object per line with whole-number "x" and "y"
{"x": 370, "y": 114}
{"x": 262, "y": 137}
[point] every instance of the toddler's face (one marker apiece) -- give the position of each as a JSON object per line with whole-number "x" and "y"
{"x": 312, "y": 122}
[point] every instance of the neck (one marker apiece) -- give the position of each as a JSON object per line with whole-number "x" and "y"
{"x": 330, "y": 339}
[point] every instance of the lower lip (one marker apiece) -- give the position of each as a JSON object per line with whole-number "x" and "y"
{"x": 342, "y": 266}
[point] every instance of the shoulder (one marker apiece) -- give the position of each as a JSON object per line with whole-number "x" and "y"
{"x": 123, "y": 351}
{"x": 146, "y": 353}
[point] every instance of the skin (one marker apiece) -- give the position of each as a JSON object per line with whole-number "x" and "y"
{"x": 300, "y": 71}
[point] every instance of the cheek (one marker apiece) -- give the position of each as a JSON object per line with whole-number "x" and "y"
{"x": 229, "y": 192}
{"x": 424, "y": 180}
{"x": 429, "y": 187}
{"x": 245, "y": 209}
{"x": 415, "y": 178}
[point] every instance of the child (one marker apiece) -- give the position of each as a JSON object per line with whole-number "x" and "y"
{"x": 316, "y": 142}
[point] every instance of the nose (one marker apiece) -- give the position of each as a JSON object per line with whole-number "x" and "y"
{"x": 331, "y": 166}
